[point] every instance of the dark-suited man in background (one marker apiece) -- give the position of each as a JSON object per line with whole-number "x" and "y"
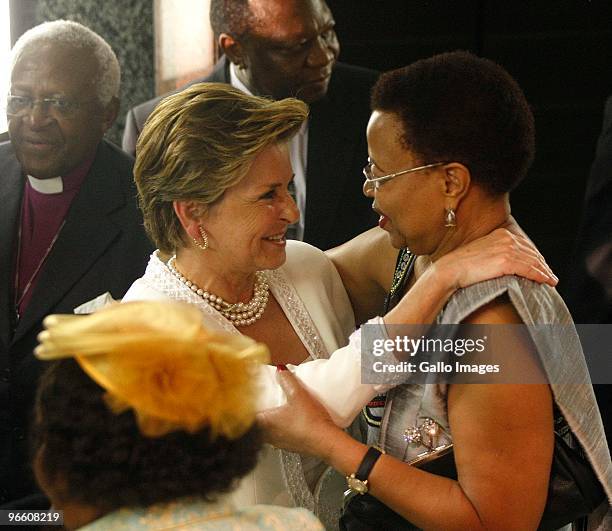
{"x": 69, "y": 225}
{"x": 281, "y": 48}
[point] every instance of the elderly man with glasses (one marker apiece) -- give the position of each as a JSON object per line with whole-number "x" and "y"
{"x": 69, "y": 224}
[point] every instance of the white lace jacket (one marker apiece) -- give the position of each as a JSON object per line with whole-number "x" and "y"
{"x": 310, "y": 292}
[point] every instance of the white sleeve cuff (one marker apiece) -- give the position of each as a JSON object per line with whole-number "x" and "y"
{"x": 335, "y": 382}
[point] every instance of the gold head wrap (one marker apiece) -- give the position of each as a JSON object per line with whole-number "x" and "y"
{"x": 158, "y": 359}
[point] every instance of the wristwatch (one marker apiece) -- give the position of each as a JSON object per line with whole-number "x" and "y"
{"x": 358, "y": 482}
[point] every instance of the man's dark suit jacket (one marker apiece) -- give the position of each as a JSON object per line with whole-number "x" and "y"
{"x": 102, "y": 247}
{"x": 336, "y": 209}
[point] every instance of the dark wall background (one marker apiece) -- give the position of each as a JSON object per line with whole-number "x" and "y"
{"x": 560, "y": 52}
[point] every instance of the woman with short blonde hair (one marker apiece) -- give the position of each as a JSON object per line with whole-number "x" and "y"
{"x": 200, "y": 142}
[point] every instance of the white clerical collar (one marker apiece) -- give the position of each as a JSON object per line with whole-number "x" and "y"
{"x": 54, "y": 185}
{"x": 235, "y": 82}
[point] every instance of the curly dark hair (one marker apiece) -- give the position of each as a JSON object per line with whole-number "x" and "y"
{"x": 233, "y": 17}
{"x": 104, "y": 461}
{"x": 456, "y": 107}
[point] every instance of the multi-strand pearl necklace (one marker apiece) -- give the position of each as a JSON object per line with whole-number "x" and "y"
{"x": 239, "y": 313}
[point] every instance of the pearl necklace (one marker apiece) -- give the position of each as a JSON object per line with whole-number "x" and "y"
{"x": 239, "y": 313}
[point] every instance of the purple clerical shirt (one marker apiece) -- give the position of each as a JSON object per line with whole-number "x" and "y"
{"x": 42, "y": 217}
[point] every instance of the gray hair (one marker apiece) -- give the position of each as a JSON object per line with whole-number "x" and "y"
{"x": 231, "y": 16}
{"x": 76, "y": 35}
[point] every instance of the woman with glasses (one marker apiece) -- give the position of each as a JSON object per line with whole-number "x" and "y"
{"x": 449, "y": 138}
{"x": 213, "y": 176}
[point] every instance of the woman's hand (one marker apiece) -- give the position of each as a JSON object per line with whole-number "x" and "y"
{"x": 505, "y": 251}
{"x": 502, "y": 252}
{"x": 302, "y": 424}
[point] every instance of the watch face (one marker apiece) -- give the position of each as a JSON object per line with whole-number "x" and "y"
{"x": 356, "y": 485}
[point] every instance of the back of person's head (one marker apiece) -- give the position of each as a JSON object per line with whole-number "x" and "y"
{"x": 71, "y": 34}
{"x": 143, "y": 406}
{"x": 456, "y": 107}
{"x": 198, "y": 143}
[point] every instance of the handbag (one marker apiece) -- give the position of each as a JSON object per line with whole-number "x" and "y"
{"x": 574, "y": 491}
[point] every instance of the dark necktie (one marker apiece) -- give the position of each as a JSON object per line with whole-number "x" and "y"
{"x": 292, "y": 230}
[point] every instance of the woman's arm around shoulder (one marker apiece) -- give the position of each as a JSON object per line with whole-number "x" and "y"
{"x": 366, "y": 265}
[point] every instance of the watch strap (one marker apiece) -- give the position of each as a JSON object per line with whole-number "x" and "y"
{"x": 367, "y": 463}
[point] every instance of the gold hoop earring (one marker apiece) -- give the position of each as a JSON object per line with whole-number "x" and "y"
{"x": 450, "y": 219}
{"x": 204, "y": 244}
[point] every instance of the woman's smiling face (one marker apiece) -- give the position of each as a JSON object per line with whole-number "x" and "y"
{"x": 247, "y": 226}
